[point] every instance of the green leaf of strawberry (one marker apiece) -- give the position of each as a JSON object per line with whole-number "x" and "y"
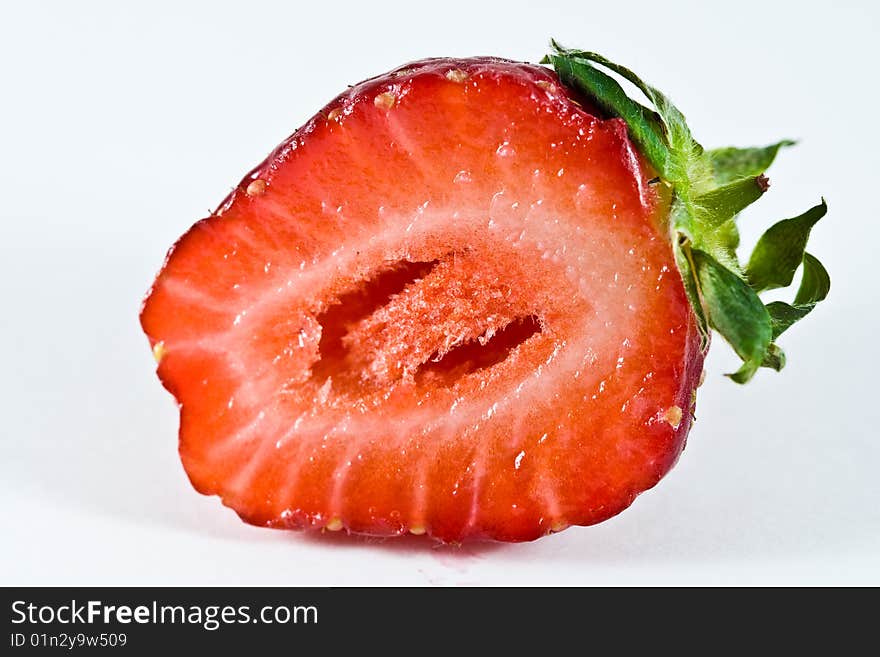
{"x": 729, "y": 164}
{"x": 814, "y": 287}
{"x": 644, "y": 124}
{"x": 722, "y": 204}
{"x": 735, "y": 311}
{"x": 780, "y": 250}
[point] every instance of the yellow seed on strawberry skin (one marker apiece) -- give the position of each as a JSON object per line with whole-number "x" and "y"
{"x": 385, "y": 100}
{"x": 334, "y": 524}
{"x": 456, "y": 75}
{"x": 417, "y": 530}
{"x": 256, "y": 187}
{"x": 673, "y": 415}
{"x": 159, "y": 351}
{"x": 546, "y": 85}
{"x": 334, "y": 114}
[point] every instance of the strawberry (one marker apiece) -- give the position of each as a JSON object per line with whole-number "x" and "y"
{"x": 469, "y": 298}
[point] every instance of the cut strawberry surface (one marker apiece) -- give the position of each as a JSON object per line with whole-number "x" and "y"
{"x": 449, "y": 304}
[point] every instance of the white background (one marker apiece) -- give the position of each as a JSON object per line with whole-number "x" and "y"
{"x": 123, "y": 124}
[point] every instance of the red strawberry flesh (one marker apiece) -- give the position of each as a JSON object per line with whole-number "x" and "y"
{"x": 446, "y": 305}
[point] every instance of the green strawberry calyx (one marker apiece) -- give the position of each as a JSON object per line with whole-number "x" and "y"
{"x": 709, "y": 189}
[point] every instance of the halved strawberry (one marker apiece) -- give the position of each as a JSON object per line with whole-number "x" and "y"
{"x": 449, "y": 304}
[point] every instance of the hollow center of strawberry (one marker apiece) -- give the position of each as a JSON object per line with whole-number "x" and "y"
{"x": 486, "y": 351}
{"x": 422, "y": 322}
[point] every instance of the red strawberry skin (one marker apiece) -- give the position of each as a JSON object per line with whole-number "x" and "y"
{"x": 323, "y": 330}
